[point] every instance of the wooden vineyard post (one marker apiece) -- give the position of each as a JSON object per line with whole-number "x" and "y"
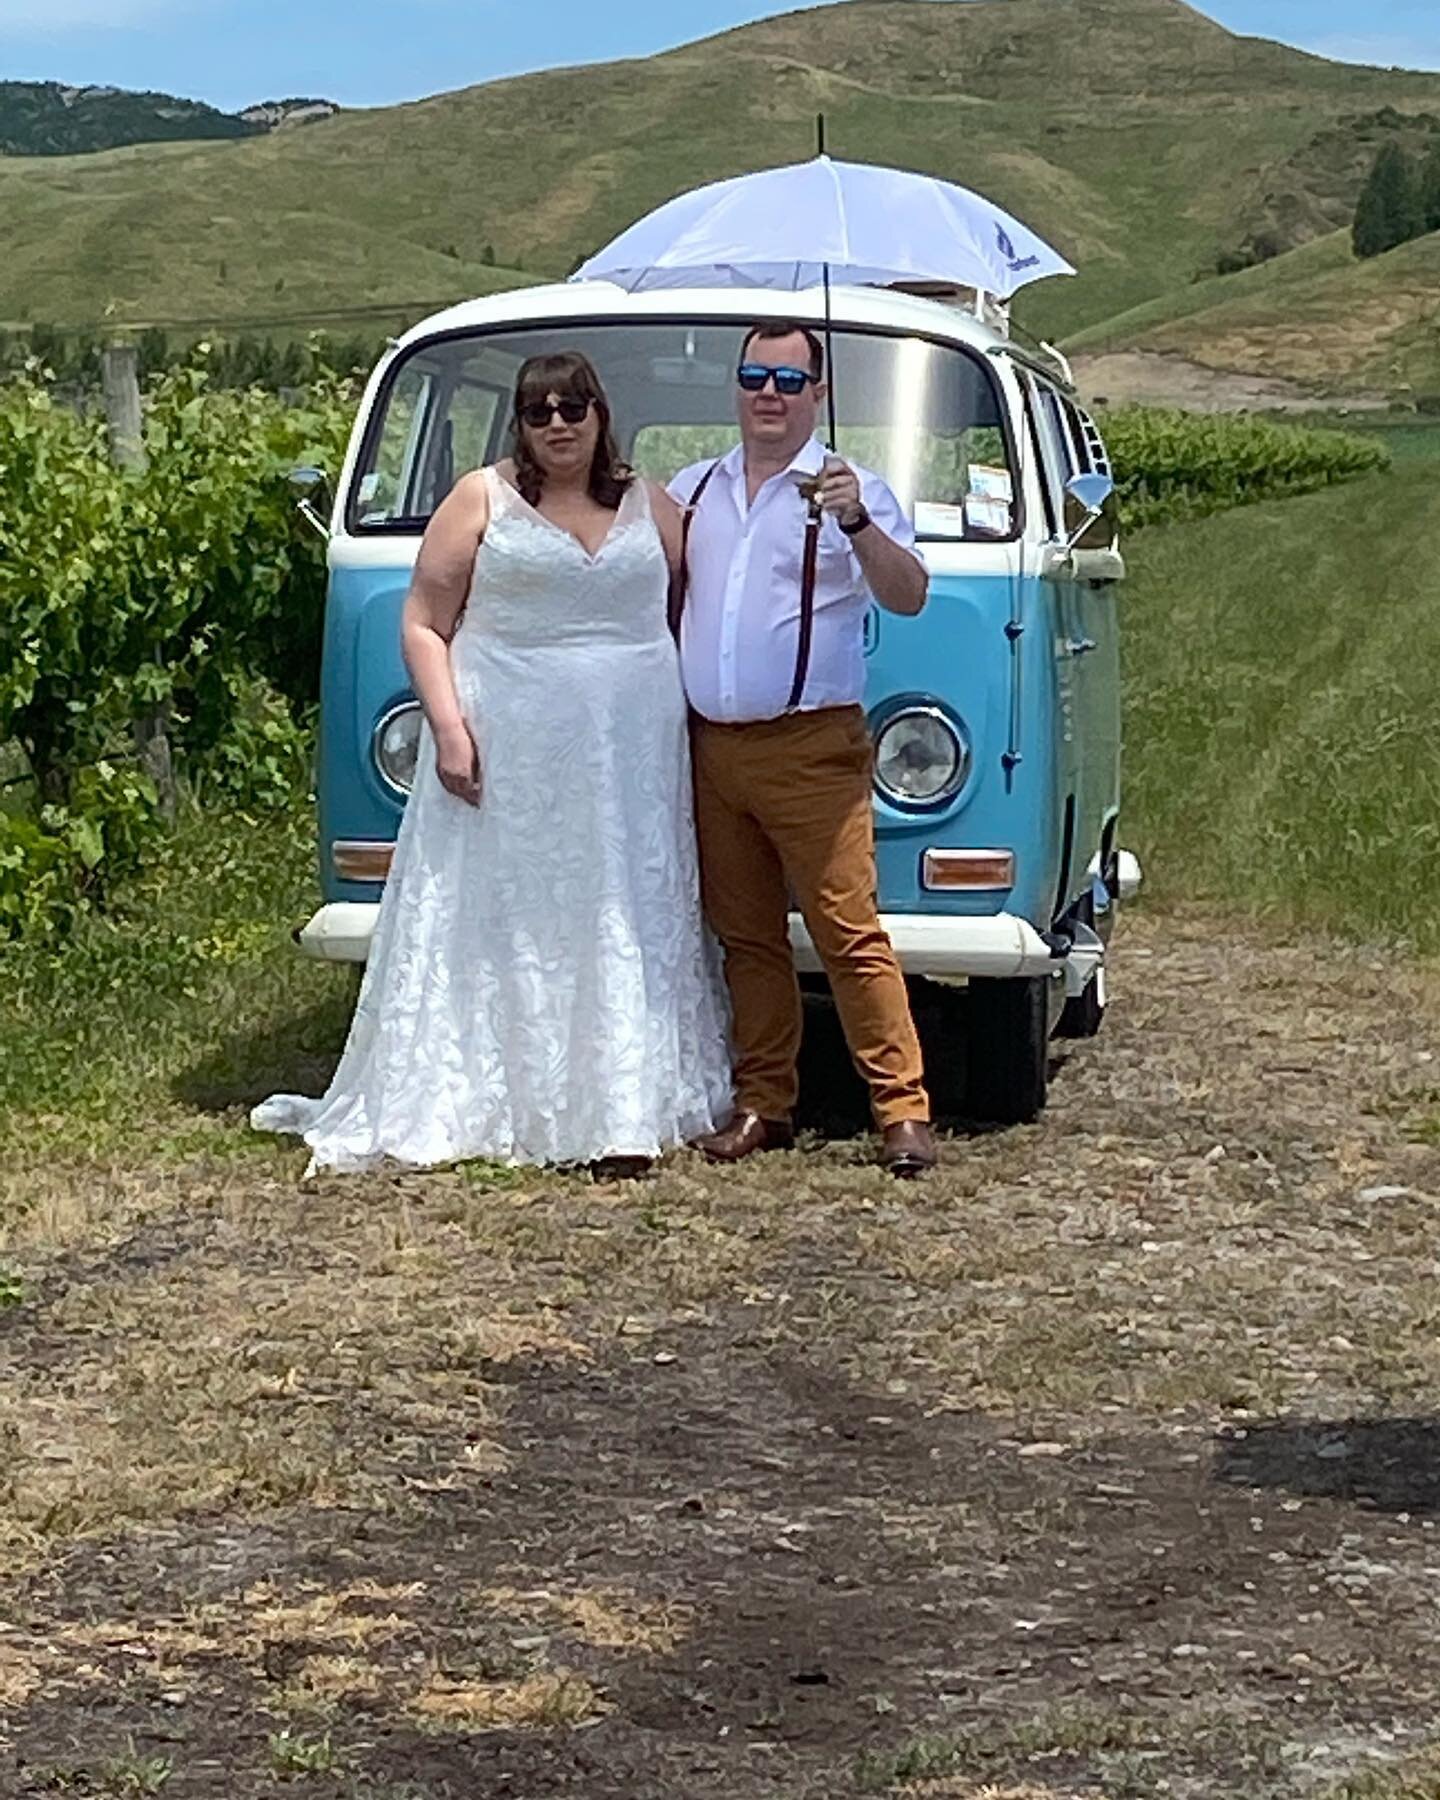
{"x": 120, "y": 377}
{"x": 120, "y": 374}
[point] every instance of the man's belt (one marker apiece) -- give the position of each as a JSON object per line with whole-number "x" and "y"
{"x": 808, "y": 562}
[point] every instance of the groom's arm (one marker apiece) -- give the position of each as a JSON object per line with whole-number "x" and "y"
{"x": 883, "y": 546}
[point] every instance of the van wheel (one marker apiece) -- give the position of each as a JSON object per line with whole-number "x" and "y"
{"x": 941, "y": 1019}
{"x": 1007, "y": 1050}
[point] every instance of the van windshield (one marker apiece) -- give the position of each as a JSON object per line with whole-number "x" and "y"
{"x": 926, "y": 416}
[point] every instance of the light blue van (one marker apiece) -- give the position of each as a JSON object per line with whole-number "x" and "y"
{"x": 995, "y": 712}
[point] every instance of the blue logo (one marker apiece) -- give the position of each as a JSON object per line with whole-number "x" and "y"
{"x": 1014, "y": 261}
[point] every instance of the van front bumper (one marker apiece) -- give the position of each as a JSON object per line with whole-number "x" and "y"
{"x": 945, "y": 947}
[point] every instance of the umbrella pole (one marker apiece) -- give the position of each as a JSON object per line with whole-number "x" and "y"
{"x": 825, "y": 277}
{"x": 829, "y": 361}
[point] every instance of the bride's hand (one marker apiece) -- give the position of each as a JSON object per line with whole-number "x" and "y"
{"x": 457, "y": 762}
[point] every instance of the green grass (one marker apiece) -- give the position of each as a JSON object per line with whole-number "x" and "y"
{"x": 1408, "y": 437}
{"x": 292, "y": 1753}
{"x": 158, "y": 1025}
{"x": 1131, "y": 131}
{"x": 1282, "y": 710}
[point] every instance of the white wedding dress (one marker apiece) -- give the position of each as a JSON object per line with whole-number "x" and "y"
{"x": 540, "y": 986}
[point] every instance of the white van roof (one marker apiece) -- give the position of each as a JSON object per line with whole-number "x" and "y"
{"x": 591, "y": 299}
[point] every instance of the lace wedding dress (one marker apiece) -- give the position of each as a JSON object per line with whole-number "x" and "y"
{"x": 540, "y": 987}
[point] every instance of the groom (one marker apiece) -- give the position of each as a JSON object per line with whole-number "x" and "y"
{"x": 785, "y": 548}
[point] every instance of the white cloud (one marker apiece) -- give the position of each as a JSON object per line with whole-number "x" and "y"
{"x": 49, "y": 18}
{"x": 1399, "y": 50}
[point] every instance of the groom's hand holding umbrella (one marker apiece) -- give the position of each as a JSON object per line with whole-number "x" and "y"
{"x": 839, "y": 494}
{"x": 897, "y": 579}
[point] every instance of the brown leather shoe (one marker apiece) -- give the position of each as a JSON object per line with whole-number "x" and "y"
{"x": 746, "y": 1133}
{"x": 908, "y": 1149}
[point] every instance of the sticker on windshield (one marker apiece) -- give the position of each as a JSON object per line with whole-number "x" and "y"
{"x": 989, "y": 516}
{"x": 987, "y": 482}
{"x": 938, "y": 519}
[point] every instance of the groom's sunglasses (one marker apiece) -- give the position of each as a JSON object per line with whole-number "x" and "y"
{"x": 538, "y": 413}
{"x": 753, "y": 376}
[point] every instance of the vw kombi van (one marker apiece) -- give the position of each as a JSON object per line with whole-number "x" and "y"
{"x": 995, "y": 712}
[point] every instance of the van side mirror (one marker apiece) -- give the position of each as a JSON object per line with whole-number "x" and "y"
{"x": 313, "y": 498}
{"x": 1090, "y": 493}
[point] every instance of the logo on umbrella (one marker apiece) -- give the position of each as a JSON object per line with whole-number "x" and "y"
{"x": 1007, "y": 249}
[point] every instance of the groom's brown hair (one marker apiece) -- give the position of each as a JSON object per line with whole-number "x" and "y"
{"x": 780, "y": 328}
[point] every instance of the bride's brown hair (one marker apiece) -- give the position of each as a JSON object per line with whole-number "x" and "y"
{"x": 569, "y": 374}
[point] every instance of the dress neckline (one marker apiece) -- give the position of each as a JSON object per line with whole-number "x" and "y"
{"x": 591, "y": 556}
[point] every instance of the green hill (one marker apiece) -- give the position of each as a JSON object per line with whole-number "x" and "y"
{"x": 1137, "y": 134}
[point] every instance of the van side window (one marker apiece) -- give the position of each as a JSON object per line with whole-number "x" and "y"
{"x": 385, "y": 490}
{"x": 1053, "y": 446}
{"x": 1096, "y": 456}
{"x": 1070, "y": 445}
{"x": 440, "y": 423}
{"x": 1093, "y": 459}
{"x": 1033, "y": 449}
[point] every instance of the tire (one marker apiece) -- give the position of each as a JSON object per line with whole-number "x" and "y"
{"x": 1007, "y": 1050}
{"x": 941, "y": 1014}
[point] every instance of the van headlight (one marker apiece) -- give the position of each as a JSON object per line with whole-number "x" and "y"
{"x": 395, "y": 745}
{"x": 921, "y": 756}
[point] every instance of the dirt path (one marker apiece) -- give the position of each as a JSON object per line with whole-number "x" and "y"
{"x": 1153, "y": 378}
{"x": 1106, "y": 1462}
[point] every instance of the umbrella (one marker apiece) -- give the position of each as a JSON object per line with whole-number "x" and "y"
{"x": 810, "y": 223}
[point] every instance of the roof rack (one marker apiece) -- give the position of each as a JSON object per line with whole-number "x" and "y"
{"x": 989, "y": 308}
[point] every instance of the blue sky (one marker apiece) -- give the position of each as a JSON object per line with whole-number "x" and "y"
{"x": 362, "y": 52}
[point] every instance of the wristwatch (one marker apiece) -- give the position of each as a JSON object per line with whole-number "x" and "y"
{"x": 852, "y": 527}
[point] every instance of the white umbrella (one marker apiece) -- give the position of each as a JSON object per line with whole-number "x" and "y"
{"x": 798, "y": 226}
{"x": 810, "y": 223}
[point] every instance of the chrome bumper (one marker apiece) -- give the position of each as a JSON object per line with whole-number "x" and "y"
{"x": 945, "y": 948}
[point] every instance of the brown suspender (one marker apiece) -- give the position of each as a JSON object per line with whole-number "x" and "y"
{"x": 807, "y": 583}
{"x": 682, "y": 584}
{"x": 807, "y": 604}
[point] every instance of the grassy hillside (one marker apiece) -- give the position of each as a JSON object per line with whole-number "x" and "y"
{"x": 1282, "y": 716}
{"x": 1315, "y": 315}
{"x": 1314, "y": 191}
{"x": 1134, "y": 132}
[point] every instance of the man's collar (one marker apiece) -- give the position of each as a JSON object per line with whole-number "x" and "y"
{"x": 809, "y": 459}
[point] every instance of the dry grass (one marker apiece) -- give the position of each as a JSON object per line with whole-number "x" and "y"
{"x": 483, "y": 1461}
{"x": 605, "y": 1618}
{"x": 552, "y": 1697}
{"x": 958, "y": 1788}
{"x": 20, "y": 1675}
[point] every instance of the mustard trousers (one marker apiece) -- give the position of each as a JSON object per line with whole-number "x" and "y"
{"x": 783, "y": 807}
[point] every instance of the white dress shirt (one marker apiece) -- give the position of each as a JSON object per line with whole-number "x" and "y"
{"x": 741, "y": 626}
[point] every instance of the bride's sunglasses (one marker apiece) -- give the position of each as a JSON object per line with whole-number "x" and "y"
{"x": 538, "y": 413}
{"x": 753, "y": 376}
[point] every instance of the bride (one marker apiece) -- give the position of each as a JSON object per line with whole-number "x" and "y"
{"x": 540, "y": 988}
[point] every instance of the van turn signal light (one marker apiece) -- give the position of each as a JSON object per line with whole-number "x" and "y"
{"x": 361, "y": 859}
{"x": 972, "y": 871}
